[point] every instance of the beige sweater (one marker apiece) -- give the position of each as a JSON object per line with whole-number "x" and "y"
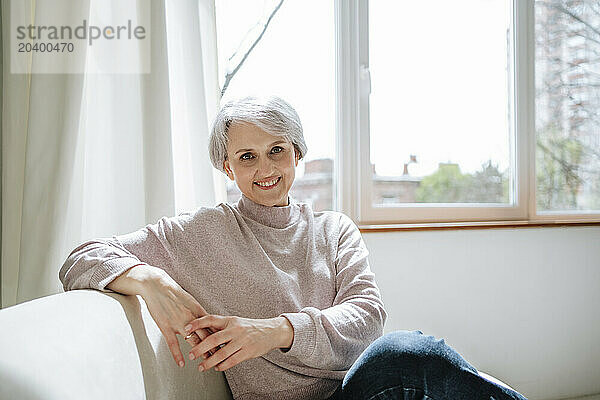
{"x": 255, "y": 261}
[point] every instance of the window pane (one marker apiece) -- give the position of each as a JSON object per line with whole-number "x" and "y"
{"x": 567, "y": 69}
{"x": 440, "y": 104}
{"x": 295, "y": 60}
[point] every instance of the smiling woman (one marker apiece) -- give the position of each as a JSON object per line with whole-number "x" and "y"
{"x": 257, "y": 143}
{"x": 266, "y": 170}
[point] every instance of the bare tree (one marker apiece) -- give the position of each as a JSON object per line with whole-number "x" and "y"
{"x": 246, "y": 46}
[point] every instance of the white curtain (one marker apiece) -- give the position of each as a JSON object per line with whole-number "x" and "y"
{"x": 92, "y": 155}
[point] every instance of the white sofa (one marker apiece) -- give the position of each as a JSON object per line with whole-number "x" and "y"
{"x": 87, "y": 344}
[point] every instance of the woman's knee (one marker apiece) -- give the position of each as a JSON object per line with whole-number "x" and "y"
{"x": 403, "y": 344}
{"x": 408, "y": 351}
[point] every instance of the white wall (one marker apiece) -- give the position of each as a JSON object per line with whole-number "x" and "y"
{"x": 521, "y": 304}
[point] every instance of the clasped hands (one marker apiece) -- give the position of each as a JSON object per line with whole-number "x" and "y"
{"x": 236, "y": 339}
{"x": 223, "y": 341}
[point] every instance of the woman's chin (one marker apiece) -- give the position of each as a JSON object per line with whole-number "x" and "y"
{"x": 270, "y": 198}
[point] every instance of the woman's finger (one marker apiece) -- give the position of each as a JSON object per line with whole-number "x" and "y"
{"x": 173, "y": 344}
{"x": 195, "y": 340}
{"x": 231, "y": 361}
{"x": 221, "y": 355}
{"x": 197, "y": 337}
{"x": 217, "y": 322}
{"x": 204, "y": 336}
{"x": 214, "y": 340}
{"x": 192, "y": 339}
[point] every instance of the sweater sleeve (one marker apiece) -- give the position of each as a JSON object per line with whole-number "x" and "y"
{"x": 334, "y": 337}
{"x": 96, "y": 263}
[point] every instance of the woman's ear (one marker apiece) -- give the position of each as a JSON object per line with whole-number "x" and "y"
{"x": 228, "y": 170}
{"x": 296, "y": 155}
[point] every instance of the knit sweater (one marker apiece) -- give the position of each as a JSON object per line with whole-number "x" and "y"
{"x": 254, "y": 261}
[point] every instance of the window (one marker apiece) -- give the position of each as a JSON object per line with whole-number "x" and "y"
{"x": 294, "y": 59}
{"x": 478, "y": 110}
{"x": 450, "y": 124}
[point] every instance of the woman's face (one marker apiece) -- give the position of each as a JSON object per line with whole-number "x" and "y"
{"x": 262, "y": 165}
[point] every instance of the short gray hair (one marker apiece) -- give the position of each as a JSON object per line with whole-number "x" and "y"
{"x": 272, "y": 114}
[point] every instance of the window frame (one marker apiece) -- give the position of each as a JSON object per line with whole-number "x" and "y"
{"x": 353, "y": 181}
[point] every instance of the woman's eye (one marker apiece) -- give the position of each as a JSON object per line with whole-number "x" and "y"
{"x": 249, "y": 156}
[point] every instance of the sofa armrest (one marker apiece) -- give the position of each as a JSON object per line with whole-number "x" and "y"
{"x": 94, "y": 345}
{"x": 495, "y": 380}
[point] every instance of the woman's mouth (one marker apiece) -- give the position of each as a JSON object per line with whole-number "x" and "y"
{"x": 266, "y": 185}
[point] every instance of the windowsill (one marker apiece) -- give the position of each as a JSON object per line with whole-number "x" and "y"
{"x": 472, "y": 225}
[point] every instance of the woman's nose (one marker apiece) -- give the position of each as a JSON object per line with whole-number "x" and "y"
{"x": 265, "y": 167}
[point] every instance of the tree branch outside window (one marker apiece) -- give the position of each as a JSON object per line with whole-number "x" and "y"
{"x": 247, "y": 45}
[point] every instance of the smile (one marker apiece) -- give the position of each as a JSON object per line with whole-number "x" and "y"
{"x": 268, "y": 184}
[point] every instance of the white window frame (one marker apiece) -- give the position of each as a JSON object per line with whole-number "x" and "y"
{"x": 352, "y": 162}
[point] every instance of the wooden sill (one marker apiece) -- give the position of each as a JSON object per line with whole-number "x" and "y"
{"x": 434, "y": 226}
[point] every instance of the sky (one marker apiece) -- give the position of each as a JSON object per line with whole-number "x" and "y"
{"x": 438, "y": 73}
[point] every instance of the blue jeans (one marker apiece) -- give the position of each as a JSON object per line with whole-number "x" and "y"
{"x": 411, "y": 366}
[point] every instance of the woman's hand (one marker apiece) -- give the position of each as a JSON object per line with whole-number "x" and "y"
{"x": 242, "y": 339}
{"x": 172, "y": 308}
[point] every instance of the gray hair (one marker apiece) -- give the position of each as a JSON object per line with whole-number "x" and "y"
{"x": 272, "y": 114}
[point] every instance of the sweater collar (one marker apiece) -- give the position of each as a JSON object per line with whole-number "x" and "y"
{"x": 275, "y": 217}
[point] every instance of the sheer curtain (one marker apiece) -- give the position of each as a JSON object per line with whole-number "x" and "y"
{"x": 92, "y": 155}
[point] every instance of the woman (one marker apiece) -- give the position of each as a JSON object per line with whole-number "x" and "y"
{"x": 279, "y": 297}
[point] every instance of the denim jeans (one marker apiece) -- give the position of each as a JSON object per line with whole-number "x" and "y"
{"x": 409, "y": 365}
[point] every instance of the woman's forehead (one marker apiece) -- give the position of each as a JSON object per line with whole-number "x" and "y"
{"x": 247, "y": 133}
